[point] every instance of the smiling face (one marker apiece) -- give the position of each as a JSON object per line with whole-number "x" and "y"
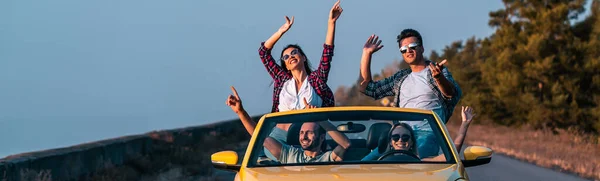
{"x": 413, "y": 50}
{"x": 410, "y": 43}
{"x": 401, "y": 139}
{"x": 293, "y": 58}
{"x": 311, "y": 137}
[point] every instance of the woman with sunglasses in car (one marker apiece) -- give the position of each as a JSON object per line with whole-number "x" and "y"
{"x": 293, "y": 78}
{"x": 402, "y": 141}
{"x": 402, "y": 138}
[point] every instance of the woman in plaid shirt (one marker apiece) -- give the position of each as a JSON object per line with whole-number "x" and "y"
{"x": 293, "y": 79}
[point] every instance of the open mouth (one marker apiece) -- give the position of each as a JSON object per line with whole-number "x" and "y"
{"x": 293, "y": 60}
{"x": 304, "y": 142}
{"x": 402, "y": 146}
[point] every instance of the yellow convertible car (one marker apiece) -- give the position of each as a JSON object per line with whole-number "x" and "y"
{"x": 351, "y": 143}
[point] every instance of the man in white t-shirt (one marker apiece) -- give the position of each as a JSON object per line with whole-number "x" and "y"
{"x": 425, "y": 85}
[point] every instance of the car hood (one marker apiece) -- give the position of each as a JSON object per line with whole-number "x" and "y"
{"x": 378, "y": 172}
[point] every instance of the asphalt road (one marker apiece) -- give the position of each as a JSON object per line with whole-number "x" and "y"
{"x": 506, "y": 168}
{"x": 500, "y": 168}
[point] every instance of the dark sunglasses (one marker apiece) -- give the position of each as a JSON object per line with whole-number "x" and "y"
{"x": 285, "y": 57}
{"x": 412, "y": 46}
{"x": 405, "y": 137}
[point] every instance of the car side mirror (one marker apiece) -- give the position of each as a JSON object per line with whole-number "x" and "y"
{"x": 477, "y": 155}
{"x": 225, "y": 160}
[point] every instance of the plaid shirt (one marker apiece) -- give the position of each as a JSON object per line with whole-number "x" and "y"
{"x": 391, "y": 86}
{"x": 317, "y": 79}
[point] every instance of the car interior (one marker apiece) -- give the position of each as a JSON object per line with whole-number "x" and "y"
{"x": 362, "y": 140}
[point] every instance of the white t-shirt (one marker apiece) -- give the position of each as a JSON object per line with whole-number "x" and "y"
{"x": 290, "y": 154}
{"x": 416, "y": 93}
{"x": 289, "y": 100}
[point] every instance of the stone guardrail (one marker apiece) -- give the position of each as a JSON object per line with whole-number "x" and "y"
{"x": 173, "y": 154}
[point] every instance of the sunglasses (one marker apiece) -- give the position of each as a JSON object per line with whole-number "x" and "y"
{"x": 405, "y": 137}
{"x": 412, "y": 46}
{"x": 285, "y": 57}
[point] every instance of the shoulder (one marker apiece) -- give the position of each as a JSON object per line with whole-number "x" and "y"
{"x": 403, "y": 72}
{"x": 289, "y": 152}
{"x": 284, "y": 78}
{"x": 400, "y": 75}
{"x": 290, "y": 149}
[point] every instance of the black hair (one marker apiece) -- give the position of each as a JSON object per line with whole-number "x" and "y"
{"x": 406, "y": 33}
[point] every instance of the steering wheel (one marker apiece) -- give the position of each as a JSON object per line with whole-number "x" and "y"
{"x": 399, "y": 155}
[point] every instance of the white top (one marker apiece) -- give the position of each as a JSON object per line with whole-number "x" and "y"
{"x": 416, "y": 93}
{"x": 289, "y": 100}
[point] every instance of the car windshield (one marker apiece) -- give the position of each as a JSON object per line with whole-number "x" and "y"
{"x": 322, "y": 137}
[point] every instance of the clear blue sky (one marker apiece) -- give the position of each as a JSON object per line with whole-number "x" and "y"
{"x": 75, "y": 71}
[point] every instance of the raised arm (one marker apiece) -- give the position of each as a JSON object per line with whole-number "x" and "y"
{"x": 277, "y": 35}
{"x": 371, "y": 46}
{"x": 334, "y": 14}
{"x": 264, "y": 51}
{"x": 467, "y": 117}
{"x": 235, "y": 103}
{"x": 322, "y": 71}
{"x": 374, "y": 89}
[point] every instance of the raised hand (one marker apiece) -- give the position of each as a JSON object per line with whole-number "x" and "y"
{"x": 372, "y": 45}
{"x": 234, "y": 101}
{"x": 335, "y": 12}
{"x": 307, "y": 105}
{"x": 467, "y": 114}
{"x": 287, "y": 25}
{"x": 436, "y": 68}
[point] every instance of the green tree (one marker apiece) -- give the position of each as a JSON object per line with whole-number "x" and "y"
{"x": 538, "y": 68}
{"x": 591, "y": 68}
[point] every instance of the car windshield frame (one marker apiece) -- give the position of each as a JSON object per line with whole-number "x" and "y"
{"x": 267, "y": 123}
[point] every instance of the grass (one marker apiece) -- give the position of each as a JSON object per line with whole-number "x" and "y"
{"x": 565, "y": 151}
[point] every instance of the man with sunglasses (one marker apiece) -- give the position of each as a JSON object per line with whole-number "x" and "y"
{"x": 425, "y": 85}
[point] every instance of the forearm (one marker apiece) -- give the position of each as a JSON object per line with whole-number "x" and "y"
{"x": 273, "y": 39}
{"x": 445, "y": 86}
{"x": 340, "y": 138}
{"x": 247, "y": 121}
{"x": 329, "y": 39}
{"x": 273, "y": 146}
{"x": 365, "y": 71}
{"x": 460, "y": 138}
